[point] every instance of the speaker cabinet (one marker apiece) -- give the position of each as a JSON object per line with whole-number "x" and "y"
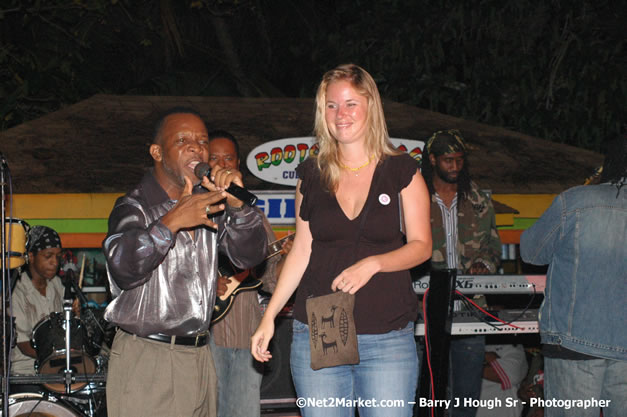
{"x": 277, "y": 388}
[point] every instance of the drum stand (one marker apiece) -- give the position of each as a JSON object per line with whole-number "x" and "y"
{"x": 6, "y": 292}
{"x": 67, "y": 372}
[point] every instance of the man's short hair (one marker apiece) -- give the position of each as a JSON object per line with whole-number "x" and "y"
{"x": 223, "y": 134}
{"x": 156, "y": 137}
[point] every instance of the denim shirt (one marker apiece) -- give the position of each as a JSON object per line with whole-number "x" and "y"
{"x": 582, "y": 237}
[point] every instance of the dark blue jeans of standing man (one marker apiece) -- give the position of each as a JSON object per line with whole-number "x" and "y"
{"x": 467, "y": 355}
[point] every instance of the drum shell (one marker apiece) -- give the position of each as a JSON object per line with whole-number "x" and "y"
{"x": 91, "y": 399}
{"x": 25, "y": 404}
{"x": 15, "y": 236}
{"x": 48, "y": 340}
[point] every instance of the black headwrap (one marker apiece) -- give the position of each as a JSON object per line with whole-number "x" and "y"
{"x": 42, "y": 237}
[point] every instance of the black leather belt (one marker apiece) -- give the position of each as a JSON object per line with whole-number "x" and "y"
{"x": 199, "y": 340}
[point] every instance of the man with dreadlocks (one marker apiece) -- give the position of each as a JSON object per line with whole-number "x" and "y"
{"x": 582, "y": 319}
{"x": 464, "y": 234}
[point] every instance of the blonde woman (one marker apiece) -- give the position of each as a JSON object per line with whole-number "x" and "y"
{"x": 357, "y": 166}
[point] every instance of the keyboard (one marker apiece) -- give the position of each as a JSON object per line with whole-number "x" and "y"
{"x": 465, "y": 323}
{"x": 491, "y": 284}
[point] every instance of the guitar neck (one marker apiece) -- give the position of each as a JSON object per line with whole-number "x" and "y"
{"x": 275, "y": 247}
{"x": 227, "y": 269}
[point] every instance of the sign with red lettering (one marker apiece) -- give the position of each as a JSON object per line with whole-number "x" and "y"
{"x": 276, "y": 161}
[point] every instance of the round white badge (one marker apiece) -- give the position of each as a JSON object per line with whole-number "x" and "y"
{"x": 384, "y": 199}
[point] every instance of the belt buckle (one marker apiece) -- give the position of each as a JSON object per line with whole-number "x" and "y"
{"x": 198, "y": 336}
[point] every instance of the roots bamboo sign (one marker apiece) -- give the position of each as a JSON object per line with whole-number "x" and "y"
{"x": 276, "y": 161}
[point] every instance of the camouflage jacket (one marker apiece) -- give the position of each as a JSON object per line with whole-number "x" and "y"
{"x": 477, "y": 238}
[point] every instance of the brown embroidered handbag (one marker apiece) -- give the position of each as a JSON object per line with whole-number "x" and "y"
{"x": 332, "y": 335}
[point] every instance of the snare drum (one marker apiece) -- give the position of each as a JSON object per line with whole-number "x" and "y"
{"x": 48, "y": 340}
{"x": 30, "y": 404}
{"x": 16, "y": 231}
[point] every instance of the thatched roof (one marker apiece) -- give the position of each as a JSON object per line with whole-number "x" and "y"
{"x": 101, "y": 144}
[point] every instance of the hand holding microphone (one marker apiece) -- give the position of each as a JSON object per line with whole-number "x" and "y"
{"x": 245, "y": 196}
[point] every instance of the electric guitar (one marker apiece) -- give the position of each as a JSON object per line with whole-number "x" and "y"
{"x": 240, "y": 280}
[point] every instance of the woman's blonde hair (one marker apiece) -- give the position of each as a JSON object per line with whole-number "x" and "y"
{"x": 378, "y": 142}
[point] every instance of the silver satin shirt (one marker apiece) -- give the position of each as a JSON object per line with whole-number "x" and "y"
{"x": 164, "y": 283}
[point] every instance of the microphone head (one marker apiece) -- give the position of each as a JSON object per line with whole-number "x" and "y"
{"x": 69, "y": 273}
{"x": 202, "y": 170}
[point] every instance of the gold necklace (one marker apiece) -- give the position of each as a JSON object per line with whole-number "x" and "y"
{"x": 356, "y": 169}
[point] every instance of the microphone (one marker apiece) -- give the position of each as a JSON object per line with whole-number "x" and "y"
{"x": 69, "y": 277}
{"x": 89, "y": 316}
{"x": 248, "y": 198}
{"x": 74, "y": 285}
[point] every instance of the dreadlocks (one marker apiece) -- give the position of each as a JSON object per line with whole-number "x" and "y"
{"x": 615, "y": 164}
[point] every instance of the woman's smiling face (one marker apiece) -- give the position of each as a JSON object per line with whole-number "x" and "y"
{"x": 346, "y": 112}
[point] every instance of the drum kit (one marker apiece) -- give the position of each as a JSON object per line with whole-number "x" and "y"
{"x": 77, "y": 390}
{"x": 71, "y": 363}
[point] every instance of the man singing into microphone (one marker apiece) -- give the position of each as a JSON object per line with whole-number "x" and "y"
{"x": 161, "y": 252}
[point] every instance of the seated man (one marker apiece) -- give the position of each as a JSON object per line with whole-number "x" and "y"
{"x": 504, "y": 368}
{"x": 38, "y": 292}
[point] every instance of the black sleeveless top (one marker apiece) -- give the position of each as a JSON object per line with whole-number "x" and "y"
{"x": 387, "y": 302}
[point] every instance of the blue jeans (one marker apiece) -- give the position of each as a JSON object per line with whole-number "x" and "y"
{"x": 239, "y": 381}
{"x": 467, "y": 355}
{"x": 387, "y": 374}
{"x": 601, "y": 379}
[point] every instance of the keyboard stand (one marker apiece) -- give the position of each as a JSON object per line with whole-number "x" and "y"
{"x": 440, "y": 314}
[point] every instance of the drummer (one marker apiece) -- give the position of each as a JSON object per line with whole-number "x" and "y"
{"x": 38, "y": 292}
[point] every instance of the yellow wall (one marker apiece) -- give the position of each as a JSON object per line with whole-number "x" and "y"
{"x": 81, "y": 219}
{"x": 63, "y": 206}
{"x": 528, "y": 205}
